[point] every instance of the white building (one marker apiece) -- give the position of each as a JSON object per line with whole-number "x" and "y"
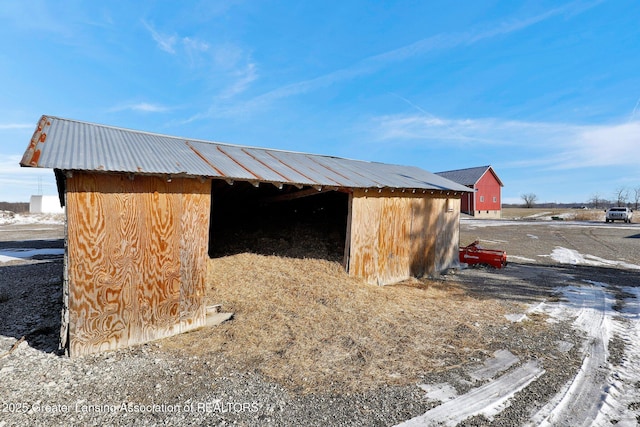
{"x": 45, "y": 204}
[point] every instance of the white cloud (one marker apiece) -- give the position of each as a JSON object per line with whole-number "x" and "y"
{"x": 192, "y": 44}
{"x": 165, "y": 42}
{"x": 606, "y": 145}
{"x": 144, "y": 107}
{"x": 10, "y": 126}
{"x": 172, "y": 43}
{"x": 232, "y": 65}
{"x": 242, "y": 79}
{"x": 554, "y": 145}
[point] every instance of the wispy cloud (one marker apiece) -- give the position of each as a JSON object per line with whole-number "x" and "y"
{"x": 173, "y": 43}
{"x": 143, "y": 107}
{"x": 607, "y": 145}
{"x": 229, "y": 64}
{"x": 372, "y": 64}
{"x": 9, "y": 126}
{"x": 165, "y": 42}
{"x": 556, "y": 145}
{"x": 241, "y": 80}
{"x": 237, "y": 67}
{"x": 635, "y": 109}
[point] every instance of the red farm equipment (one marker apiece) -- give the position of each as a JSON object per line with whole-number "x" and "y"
{"x": 474, "y": 254}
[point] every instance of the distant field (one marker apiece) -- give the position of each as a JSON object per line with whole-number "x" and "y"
{"x": 547, "y": 213}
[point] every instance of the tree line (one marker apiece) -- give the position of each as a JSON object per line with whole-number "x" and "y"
{"x": 14, "y": 207}
{"x": 622, "y": 196}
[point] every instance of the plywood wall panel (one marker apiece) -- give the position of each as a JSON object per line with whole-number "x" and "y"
{"x": 101, "y": 270}
{"x": 396, "y": 235}
{"x": 158, "y": 293}
{"x": 448, "y": 237}
{"x": 131, "y": 276}
{"x": 365, "y": 224}
{"x": 193, "y": 253}
{"x": 394, "y": 239}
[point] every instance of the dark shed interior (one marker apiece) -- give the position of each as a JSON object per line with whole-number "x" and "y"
{"x": 289, "y": 221}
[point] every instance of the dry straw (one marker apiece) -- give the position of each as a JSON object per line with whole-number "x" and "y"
{"x": 309, "y": 326}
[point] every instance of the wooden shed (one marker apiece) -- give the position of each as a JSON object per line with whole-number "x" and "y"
{"x": 144, "y": 211}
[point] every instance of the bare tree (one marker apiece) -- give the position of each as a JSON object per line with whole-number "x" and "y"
{"x": 621, "y": 196}
{"x": 636, "y": 197}
{"x": 529, "y": 200}
{"x": 597, "y": 201}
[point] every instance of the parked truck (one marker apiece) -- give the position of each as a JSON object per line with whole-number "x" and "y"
{"x": 618, "y": 213}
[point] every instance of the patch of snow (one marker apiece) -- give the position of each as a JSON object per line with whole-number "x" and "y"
{"x": 4, "y": 258}
{"x": 32, "y": 219}
{"x": 580, "y": 401}
{"x": 532, "y": 236}
{"x": 488, "y": 400}
{"x": 573, "y": 257}
{"x": 501, "y": 361}
{"x": 441, "y": 392}
{"x": 516, "y": 317}
{"x": 520, "y": 258}
{"x": 564, "y": 346}
{"x": 625, "y": 377}
{"x": 538, "y": 215}
{"x": 481, "y": 223}
{"x": 7, "y": 255}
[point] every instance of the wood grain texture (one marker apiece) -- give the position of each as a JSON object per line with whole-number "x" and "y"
{"x": 448, "y": 237}
{"x": 397, "y": 235}
{"x": 126, "y": 257}
{"x": 193, "y": 253}
{"x": 365, "y": 223}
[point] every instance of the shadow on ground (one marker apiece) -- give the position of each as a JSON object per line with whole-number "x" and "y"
{"x": 30, "y": 303}
{"x": 534, "y": 283}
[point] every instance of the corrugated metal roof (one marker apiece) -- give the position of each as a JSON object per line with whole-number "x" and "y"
{"x": 469, "y": 176}
{"x": 73, "y": 145}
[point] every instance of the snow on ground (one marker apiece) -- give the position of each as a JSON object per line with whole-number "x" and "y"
{"x": 519, "y": 258}
{"x": 488, "y": 400}
{"x": 10, "y": 218}
{"x": 603, "y": 391}
{"x": 15, "y": 254}
{"x": 580, "y": 401}
{"x": 624, "y": 378}
{"x": 483, "y": 223}
{"x": 573, "y": 257}
{"x": 601, "y": 394}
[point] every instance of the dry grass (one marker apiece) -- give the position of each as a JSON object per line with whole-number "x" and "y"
{"x": 307, "y": 325}
{"x": 569, "y": 214}
{"x": 589, "y": 215}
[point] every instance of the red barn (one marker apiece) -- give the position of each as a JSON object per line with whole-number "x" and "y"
{"x": 486, "y": 201}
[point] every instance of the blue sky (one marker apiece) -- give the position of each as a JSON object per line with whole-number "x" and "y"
{"x": 547, "y": 92}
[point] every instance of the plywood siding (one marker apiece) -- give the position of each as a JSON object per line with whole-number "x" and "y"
{"x": 447, "y": 235}
{"x": 397, "y": 235}
{"x": 136, "y": 256}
